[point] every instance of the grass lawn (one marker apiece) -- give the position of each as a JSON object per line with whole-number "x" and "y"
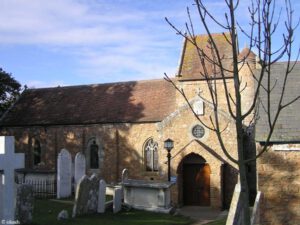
{"x": 46, "y": 211}
{"x": 218, "y": 222}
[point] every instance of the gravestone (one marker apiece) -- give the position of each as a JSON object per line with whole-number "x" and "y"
{"x": 235, "y": 215}
{"x": 125, "y": 175}
{"x": 117, "y": 201}
{"x": 1, "y": 192}
{"x": 63, "y": 215}
{"x": 101, "y": 197}
{"x": 80, "y": 167}
{"x": 64, "y": 174}
{"x": 255, "y": 211}
{"x": 9, "y": 161}
{"x": 86, "y": 199}
{"x": 24, "y": 204}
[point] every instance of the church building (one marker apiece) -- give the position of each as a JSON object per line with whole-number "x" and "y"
{"x": 124, "y": 125}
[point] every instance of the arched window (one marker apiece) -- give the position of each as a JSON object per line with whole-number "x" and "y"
{"x": 94, "y": 155}
{"x": 37, "y": 152}
{"x": 151, "y": 155}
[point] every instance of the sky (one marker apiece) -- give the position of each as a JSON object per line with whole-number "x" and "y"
{"x": 71, "y": 42}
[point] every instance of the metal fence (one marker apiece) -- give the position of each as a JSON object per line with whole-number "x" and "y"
{"x": 42, "y": 188}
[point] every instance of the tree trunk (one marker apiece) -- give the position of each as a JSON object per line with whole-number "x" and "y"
{"x": 244, "y": 194}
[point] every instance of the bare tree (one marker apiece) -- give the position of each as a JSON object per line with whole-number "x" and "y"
{"x": 264, "y": 24}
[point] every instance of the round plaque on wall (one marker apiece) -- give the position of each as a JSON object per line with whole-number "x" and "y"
{"x": 198, "y": 131}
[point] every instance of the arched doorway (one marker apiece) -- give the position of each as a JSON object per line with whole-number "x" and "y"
{"x": 195, "y": 180}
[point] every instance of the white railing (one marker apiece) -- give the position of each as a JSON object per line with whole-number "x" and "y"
{"x": 42, "y": 188}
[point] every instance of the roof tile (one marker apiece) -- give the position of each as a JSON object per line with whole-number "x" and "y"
{"x": 139, "y": 101}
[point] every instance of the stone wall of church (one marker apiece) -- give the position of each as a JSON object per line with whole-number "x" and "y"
{"x": 122, "y": 145}
{"x": 179, "y": 129}
{"x": 123, "y": 148}
{"x": 278, "y": 180}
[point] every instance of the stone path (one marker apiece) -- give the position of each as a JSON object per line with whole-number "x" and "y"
{"x": 202, "y": 215}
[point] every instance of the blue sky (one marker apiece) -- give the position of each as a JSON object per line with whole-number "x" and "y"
{"x": 69, "y": 42}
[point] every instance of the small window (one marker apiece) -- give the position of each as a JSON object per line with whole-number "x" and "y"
{"x": 198, "y": 131}
{"x": 94, "y": 156}
{"x": 151, "y": 155}
{"x": 37, "y": 152}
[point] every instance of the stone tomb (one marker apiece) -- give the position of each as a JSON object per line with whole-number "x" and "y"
{"x": 9, "y": 161}
{"x": 64, "y": 174}
{"x": 86, "y": 198}
{"x": 148, "y": 195}
{"x": 79, "y": 167}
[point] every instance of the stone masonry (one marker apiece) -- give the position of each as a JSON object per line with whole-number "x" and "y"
{"x": 278, "y": 180}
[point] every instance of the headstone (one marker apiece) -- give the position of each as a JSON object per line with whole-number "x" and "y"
{"x": 9, "y": 161}
{"x": 235, "y": 215}
{"x": 64, "y": 174}
{"x": 101, "y": 197}
{"x": 24, "y": 204}
{"x": 86, "y": 199}
{"x": 125, "y": 175}
{"x": 255, "y": 211}
{"x": 117, "y": 201}
{"x": 63, "y": 215}
{"x": 80, "y": 167}
{"x": 1, "y": 193}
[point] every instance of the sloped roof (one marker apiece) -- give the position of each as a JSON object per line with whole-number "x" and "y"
{"x": 287, "y": 128}
{"x": 190, "y": 65}
{"x": 140, "y": 101}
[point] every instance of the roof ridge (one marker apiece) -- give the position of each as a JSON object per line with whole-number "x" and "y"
{"x": 96, "y": 84}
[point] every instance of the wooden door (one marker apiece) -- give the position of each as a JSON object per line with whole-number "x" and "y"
{"x": 196, "y": 184}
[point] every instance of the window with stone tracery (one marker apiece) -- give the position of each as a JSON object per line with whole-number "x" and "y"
{"x": 151, "y": 155}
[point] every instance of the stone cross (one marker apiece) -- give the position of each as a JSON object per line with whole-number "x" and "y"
{"x": 64, "y": 174}
{"x": 80, "y": 167}
{"x": 9, "y": 161}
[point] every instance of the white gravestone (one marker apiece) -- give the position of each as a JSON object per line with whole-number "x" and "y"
{"x": 235, "y": 214}
{"x": 101, "y": 196}
{"x": 64, "y": 174}
{"x": 255, "y": 211}
{"x": 117, "y": 201}
{"x": 125, "y": 175}
{"x": 1, "y": 194}
{"x": 80, "y": 167}
{"x": 9, "y": 161}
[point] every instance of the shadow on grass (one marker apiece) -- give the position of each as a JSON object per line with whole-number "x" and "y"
{"x": 46, "y": 211}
